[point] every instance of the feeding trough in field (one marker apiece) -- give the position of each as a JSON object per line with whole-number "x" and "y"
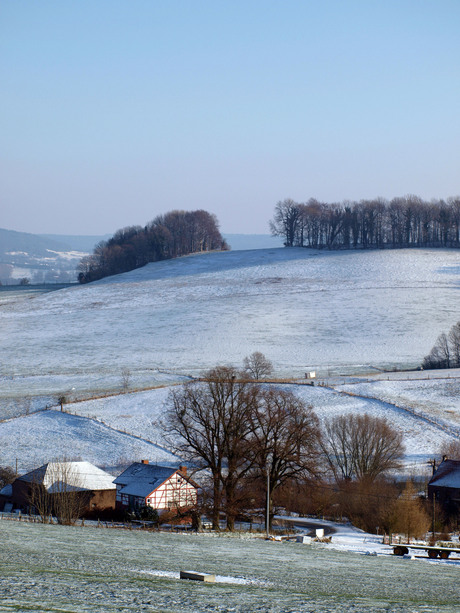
{"x": 195, "y": 576}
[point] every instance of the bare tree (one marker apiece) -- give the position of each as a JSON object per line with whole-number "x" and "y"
{"x": 56, "y": 489}
{"x": 208, "y": 425}
{"x": 361, "y": 446}
{"x": 440, "y": 353}
{"x": 125, "y": 378}
{"x": 39, "y": 498}
{"x": 285, "y": 439}
{"x": 454, "y": 343}
{"x": 62, "y": 400}
{"x": 451, "y": 450}
{"x": 446, "y": 351}
{"x": 7, "y": 476}
{"x": 286, "y": 221}
{"x": 257, "y": 365}
{"x": 69, "y": 498}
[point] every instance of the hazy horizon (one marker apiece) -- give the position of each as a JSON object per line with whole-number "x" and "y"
{"x": 115, "y": 112}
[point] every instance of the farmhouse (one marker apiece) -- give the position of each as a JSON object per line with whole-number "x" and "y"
{"x": 55, "y": 478}
{"x": 445, "y": 486}
{"x": 159, "y": 487}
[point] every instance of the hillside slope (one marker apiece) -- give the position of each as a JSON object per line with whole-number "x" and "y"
{"x": 303, "y": 309}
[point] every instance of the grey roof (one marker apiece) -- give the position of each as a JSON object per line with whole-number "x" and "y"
{"x": 142, "y": 479}
{"x": 447, "y": 475}
{"x": 7, "y": 490}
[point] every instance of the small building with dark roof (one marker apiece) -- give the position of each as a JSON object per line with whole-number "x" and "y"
{"x": 445, "y": 486}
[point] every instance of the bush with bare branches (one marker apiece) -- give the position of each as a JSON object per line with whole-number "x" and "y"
{"x": 361, "y": 446}
{"x": 257, "y": 365}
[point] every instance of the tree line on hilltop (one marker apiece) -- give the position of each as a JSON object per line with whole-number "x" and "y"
{"x": 168, "y": 236}
{"x": 402, "y": 222}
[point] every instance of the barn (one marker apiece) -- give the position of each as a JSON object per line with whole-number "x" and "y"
{"x": 57, "y": 478}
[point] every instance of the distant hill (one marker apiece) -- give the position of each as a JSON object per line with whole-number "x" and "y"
{"x": 328, "y": 311}
{"x": 33, "y": 244}
{"x": 241, "y": 242}
{"x": 76, "y": 242}
{"x": 41, "y": 258}
{"x": 52, "y": 258}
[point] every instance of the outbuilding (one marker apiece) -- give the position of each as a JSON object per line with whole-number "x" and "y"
{"x": 445, "y": 486}
{"x": 92, "y": 484}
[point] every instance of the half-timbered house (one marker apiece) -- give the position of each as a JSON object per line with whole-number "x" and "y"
{"x": 159, "y": 487}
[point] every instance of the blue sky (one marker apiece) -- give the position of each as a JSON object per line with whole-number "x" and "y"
{"x": 115, "y": 111}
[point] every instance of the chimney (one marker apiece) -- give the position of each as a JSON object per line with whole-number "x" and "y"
{"x": 183, "y": 470}
{"x": 144, "y": 461}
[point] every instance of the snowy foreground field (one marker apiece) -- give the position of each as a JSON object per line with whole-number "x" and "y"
{"x": 52, "y": 568}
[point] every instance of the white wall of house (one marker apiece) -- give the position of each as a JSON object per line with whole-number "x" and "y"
{"x": 175, "y": 492}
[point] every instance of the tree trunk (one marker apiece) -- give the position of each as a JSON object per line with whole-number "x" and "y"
{"x": 216, "y": 503}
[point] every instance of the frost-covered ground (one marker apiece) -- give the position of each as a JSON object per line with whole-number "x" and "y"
{"x": 33, "y": 440}
{"x": 333, "y": 312}
{"x": 125, "y": 427}
{"x": 24, "y": 394}
{"x": 54, "y": 568}
{"x": 437, "y": 397}
{"x": 423, "y": 437}
{"x": 329, "y": 311}
{"x": 139, "y": 413}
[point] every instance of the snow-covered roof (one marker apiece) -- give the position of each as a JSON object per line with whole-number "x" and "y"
{"x": 141, "y": 479}
{"x": 7, "y": 490}
{"x": 447, "y": 475}
{"x": 79, "y": 475}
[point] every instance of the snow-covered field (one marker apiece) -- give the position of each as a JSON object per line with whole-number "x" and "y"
{"x": 54, "y": 568}
{"x": 330, "y": 311}
{"x": 129, "y": 426}
{"x": 440, "y": 398}
{"x": 33, "y": 440}
{"x": 338, "y": 313}
{"x": 334, "y": 312}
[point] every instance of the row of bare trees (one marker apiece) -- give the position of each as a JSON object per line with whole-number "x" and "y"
{"x": 446, "y": 351}
{"x": 247, "y": 434}
{"x": 170, "y": 235}
{"x": 237, "y": 430}
{"x": 406, "y": 221}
